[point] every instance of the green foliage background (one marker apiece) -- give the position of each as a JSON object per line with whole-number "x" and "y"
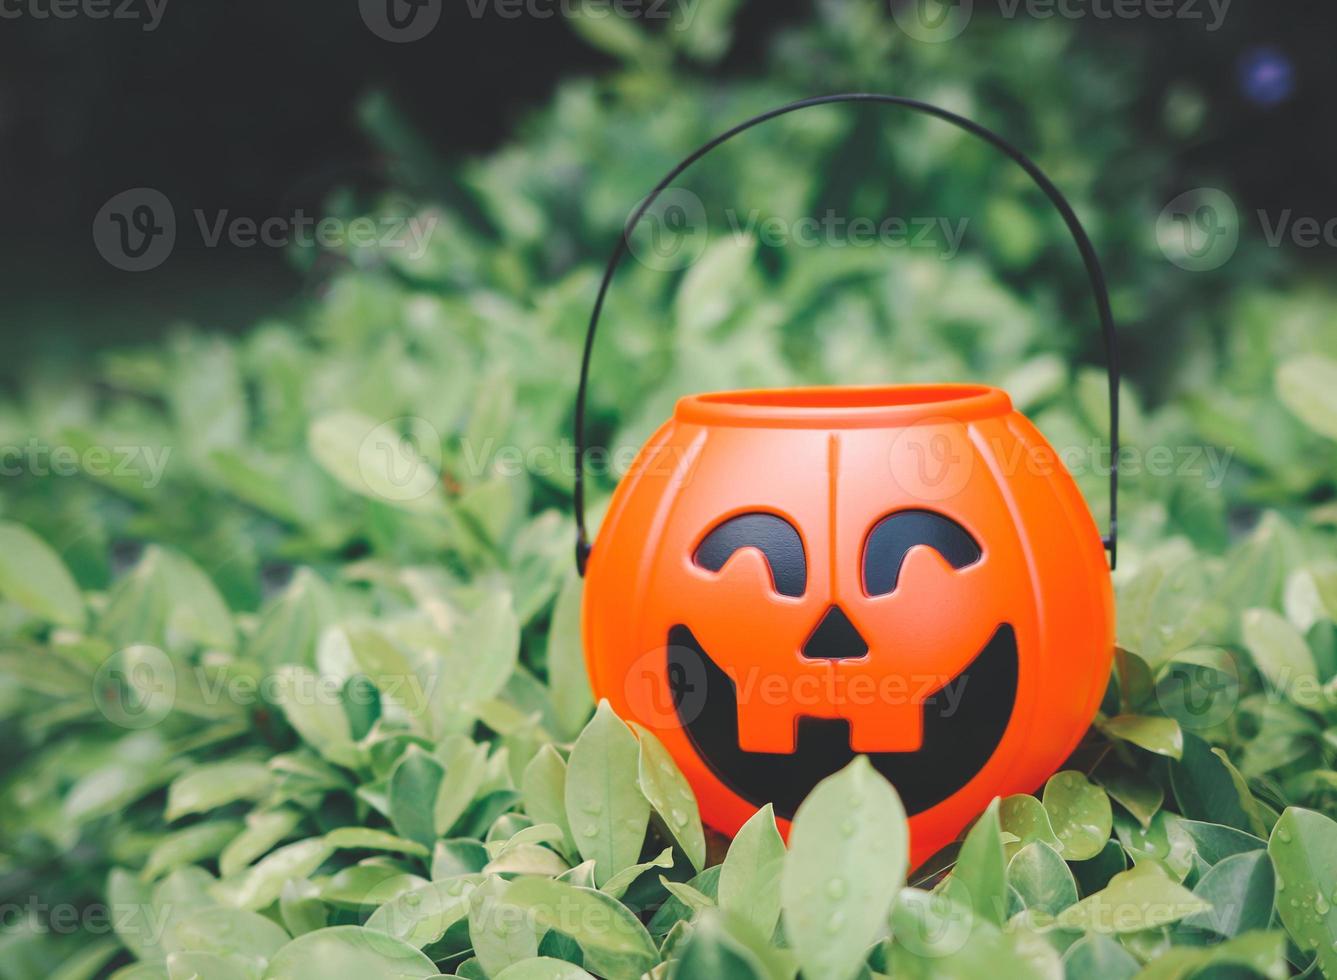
{"x": 224, "y": 753}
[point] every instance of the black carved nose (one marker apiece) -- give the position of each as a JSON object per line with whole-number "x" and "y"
{"x": 835, "y": 638}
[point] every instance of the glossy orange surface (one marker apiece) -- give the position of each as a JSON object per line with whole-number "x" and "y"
{"x": 832, "y": 463}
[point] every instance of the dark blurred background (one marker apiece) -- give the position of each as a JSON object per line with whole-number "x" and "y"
{"x": 253, "y": 107}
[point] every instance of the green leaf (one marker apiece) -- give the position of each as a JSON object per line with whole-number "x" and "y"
{"x": 543, "y": 786}
{"x": 210, "y": 966}
{"x": 452, "y": 858}
{"x": 1137, "y": 899}
{"x": 750, "y": 875}
{"x": 847, "y": 859}
{"x": 134, "y": 923}
{"x": 223, "y": 932}
{"x": 1240, "y": 890}
{"x": 671, "y": 797}
{"x": 618, "y": 884}
{"x": 421, "y": 916}
{"x": 476, "y": 660}
{"x": 981, "y": 870}
{"x": 1025, "y": 818}
{"x": 1098, "y": 957}
{"x": 1282, "y": 656}
{"x": 376, "y": 461}
{"x": 614, "y": 943}
{"x": 348, "y": 953}
{"x": 535, "y": 859}
{"x": 301, "y": 908}
{"x": 1159, "y": 735}
{"x": 217, "y": 784}
{"x": 140, "y": 763}
{"x": 196, "y": 609}
{"x": 1132, "y": 789}
{"x": 1205, "y": 789}
{"x": 466, "y": 769}
{"x": 1307, "y": 385}
{"x": 500, "y": 932}
{"x": 927, "y": 927}
{"x": 189, "y": 846}
{"x": 368, "y": 839}
{"x": 262, "y": 883}
{"x": 317, "y": 717}
{"x": 89, "y": 962}
{"x": 543, "y": 968}
{"x": 33, "y": 576}
{"x": 694, "y": 900}
{"x": 290, "y": 626}
{"x": 367, "y": 885}
{"x": 568, "y": 680}
{"x": 1257, "y": 953}
{"x": 1080, "y": 813}
{"x": 620, "y": 37}
{"x": 183, "y": 892}
{"x": 414, "y": 785}
{"x": 1042, "y": 878}
{"x": 1303, "y": 848}
{"x": 936, "y": 935}
{"x": 682, "y": 906}
{"x": 1216, "y": 842}
{"x": 264, "y": 829}
{"x": 604, "y": 803}
{"x": 711, "y": 952}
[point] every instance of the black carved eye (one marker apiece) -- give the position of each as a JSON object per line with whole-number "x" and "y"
{"x": 773, "y": 536}
{"x": 894, "y": 535}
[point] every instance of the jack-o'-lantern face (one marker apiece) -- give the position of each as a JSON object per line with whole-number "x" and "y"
{"x": 788, "y": 579}
{"x": 927, "y": 723}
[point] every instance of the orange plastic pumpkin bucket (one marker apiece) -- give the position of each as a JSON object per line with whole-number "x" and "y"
{"x": 787, "y": 578}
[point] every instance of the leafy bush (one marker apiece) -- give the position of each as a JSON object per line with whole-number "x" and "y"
{"x": 280, "y": 700}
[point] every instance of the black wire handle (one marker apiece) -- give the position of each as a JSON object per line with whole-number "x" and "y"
{"x": 1088, "y": 252}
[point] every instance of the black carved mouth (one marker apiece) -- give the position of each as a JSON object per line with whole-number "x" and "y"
{"x": 960, "y": 734}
